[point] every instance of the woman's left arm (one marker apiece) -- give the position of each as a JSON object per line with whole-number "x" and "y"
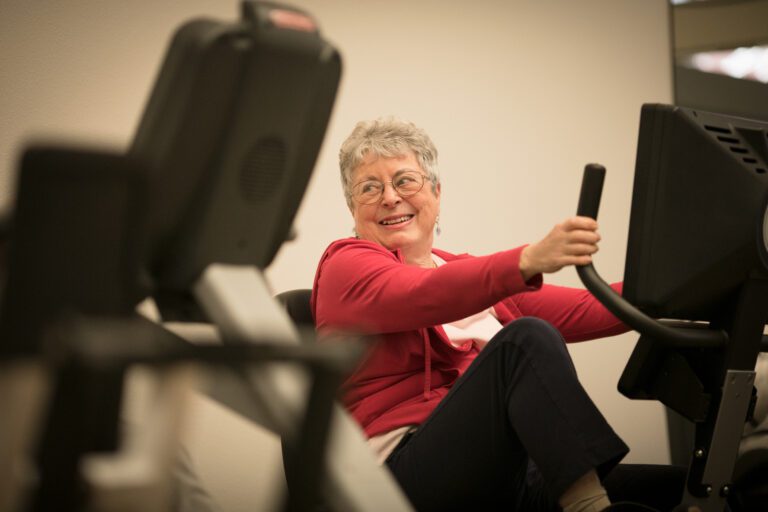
{"x": 575, "y": 312}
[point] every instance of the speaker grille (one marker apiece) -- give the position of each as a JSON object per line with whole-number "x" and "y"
{"x": 263, "y": 169}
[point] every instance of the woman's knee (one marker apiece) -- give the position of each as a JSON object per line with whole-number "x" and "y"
{"x": 534, "y": 335}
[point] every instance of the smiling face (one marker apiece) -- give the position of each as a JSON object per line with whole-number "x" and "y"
{"x": 397, "y": 222}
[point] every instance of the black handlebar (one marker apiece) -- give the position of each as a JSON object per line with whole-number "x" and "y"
{"x": 591, "y": 190}
{"x": 589, "y": 204}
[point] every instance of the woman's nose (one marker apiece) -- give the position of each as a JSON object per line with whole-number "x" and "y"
{"x": 389, "y": 195}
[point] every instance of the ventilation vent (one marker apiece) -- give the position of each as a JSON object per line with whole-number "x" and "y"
{"x": 717, "y": 129}
{"x": 263, "y": 169}
{"x": 736, "y": 143}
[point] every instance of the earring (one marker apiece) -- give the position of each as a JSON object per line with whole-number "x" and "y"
{"x": 437, "y": 226}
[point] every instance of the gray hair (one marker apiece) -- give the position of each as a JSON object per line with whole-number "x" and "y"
{"x": 386, "y": 137}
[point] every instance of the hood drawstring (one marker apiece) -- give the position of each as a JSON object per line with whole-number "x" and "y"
{"x": 427, "y": 365}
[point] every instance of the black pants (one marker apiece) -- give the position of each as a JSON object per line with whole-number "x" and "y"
{"x": 514, "y": 433}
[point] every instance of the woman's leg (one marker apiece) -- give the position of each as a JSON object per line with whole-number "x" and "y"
{"x": 520, "y": 398}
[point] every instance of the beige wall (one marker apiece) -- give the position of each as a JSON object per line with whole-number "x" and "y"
{"x": 518, "y": 96}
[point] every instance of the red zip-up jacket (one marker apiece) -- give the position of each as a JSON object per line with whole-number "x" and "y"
{"x": 363, "y": 287}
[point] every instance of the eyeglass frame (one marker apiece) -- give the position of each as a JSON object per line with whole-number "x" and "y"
{"x": 424, "y": 176}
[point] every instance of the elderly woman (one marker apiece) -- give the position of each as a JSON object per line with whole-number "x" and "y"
{"x": 470, "y": 396}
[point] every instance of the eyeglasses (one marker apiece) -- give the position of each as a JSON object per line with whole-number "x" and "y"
{"x": 405, "y": 184}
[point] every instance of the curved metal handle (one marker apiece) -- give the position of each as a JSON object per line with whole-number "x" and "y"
{"x": 589, "y": 204}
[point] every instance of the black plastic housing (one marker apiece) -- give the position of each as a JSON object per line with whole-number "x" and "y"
{"x": 696, "y": 225}
{"x": 232, "y": 130}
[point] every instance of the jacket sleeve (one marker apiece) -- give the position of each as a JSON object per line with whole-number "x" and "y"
{"x": 362, "y": 286}
{"x": 575, "y": 312}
